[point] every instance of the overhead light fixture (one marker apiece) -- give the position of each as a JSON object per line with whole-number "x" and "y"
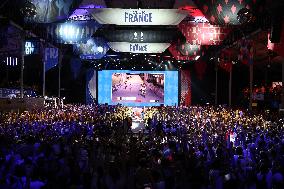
{"x": 80, "y": 14}
{"x": 100, "y": 49}
{"x": 244, "y": 16}
{"x": 28, "y": 10}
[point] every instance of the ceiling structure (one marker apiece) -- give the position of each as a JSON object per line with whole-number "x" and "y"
{"x": 210, "y": 27}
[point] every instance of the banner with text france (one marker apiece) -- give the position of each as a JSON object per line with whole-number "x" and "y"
{"x": 118, "y": 16}
{"x": 138, "y": 47}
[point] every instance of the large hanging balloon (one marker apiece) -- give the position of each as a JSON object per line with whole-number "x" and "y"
{"x": 73, "y": 32}
{"x": 48, "y": 11}
{"x": 225, "y": 12}
{"x": 94, "y": 48}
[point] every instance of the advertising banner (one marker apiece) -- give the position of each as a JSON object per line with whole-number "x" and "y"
{"x": 118, "y": 16}
{"x": 139, "y": 35}
{"x": 51, "y": 58}
{"x": 139, "y": 47}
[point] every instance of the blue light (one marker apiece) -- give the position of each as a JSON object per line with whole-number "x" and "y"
{"x": 74, "y": 32}
{"x": 94, "y": 48}
{"x": 29, "y": 48}
{"x": 11, "y": 61}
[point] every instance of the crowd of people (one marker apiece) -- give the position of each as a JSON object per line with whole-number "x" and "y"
{"x": 198, "y": 147}
{"x": 265, "y": 96}
{"x": 143, "y": 89}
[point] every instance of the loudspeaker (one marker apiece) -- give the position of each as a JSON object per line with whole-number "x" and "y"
{"x": 276, "y": 29}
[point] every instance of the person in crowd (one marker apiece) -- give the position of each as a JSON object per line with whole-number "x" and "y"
{"x": 198, "y": 147}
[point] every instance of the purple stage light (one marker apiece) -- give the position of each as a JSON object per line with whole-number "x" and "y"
{"x": 82, "y": 13}
{"x": 92, "y": 6}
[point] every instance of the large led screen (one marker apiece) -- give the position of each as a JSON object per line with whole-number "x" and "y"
{"x": 138, "y": 88}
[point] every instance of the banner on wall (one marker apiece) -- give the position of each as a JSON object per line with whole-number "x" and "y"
{"x": 139, "y": 47}
{"x": 51, "y": 58}
{"x": 118, "y": 16}
{"x": 139, "y": 35}
{"x": 185, "y": 88}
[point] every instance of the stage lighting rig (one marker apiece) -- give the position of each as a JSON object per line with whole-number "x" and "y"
{"x": 244, "y": 16}
{"x": 28, "y": 10}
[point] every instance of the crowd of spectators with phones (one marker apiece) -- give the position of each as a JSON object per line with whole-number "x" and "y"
{"x": 198, "y": 147}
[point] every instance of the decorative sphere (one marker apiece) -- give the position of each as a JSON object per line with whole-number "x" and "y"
{"x": 244, "y": 16}
{"x": 29, "y": 10}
